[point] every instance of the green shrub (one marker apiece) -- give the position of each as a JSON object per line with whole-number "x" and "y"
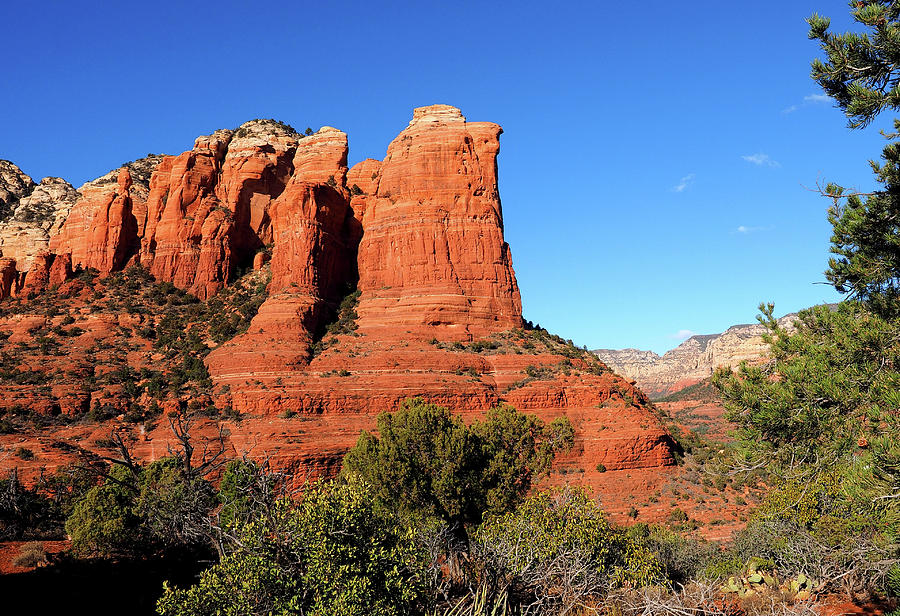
{"x": 173, "y": 508}
{"x": 103, "y": 522}
{"x": 136, "y": 511}
{"x": 246, "y": 489}
{"x": 682, "y": 558}
{"x": 558, "y": 549}
{"x": 677, "y": 515}
{"x": 813, "y": 528}
{"x": 331, "y": 553}
{"x": 428, "y": 462}
{"x": 344, "y": 323}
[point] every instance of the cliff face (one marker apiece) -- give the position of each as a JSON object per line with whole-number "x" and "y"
{"x": 313, "y": 262}
{"x": 30, "y": 214}
{"x": 101, "y": 229}
{"x": 14, "y": 184}
{"x": 388, "y": 280}
{"x": 432, "y": 258}
{"x": 693, "y": 360}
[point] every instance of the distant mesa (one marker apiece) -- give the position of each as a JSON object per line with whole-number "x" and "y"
{"x": 693, "y": 360}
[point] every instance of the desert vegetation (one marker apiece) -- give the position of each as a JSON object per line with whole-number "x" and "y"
{"x": 431, "y": 513}
{"x": 127, "y": 339}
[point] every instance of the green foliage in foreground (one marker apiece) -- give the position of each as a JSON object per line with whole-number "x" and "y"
{"x": 861, "y": 74}
{"x": 428, "y": 462}
{"x": 142, "y": 509}
{"x": 104, "y": 522}
{"x": 335, "y": 552}
{"x": 558, "y": 548}
{"x": 331, "y": 553}
{"x": 860, "y": 70}
{"x": 827, "y": 400}
{"x": 815, "y": 528}
{"x": 245, "y": 488}
{"x": 822, "y": 415}
{"x": 866, "y": 237}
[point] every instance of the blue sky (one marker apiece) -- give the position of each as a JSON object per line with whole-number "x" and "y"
{"x": 654, "y": 167}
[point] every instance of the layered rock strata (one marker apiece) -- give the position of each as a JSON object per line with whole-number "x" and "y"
{"x": 432, "y": 259}
{"x": 314, "y": 237}
{"x": 411, "y": 249}
{"x": 693, "y": 360}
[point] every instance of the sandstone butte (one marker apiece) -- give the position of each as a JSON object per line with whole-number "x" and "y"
{"x": 419, "y": 236}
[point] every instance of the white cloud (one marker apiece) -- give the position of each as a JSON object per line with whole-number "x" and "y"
{"x": 816, "y": 98}
{"x": 809, "y": 99}
{"x": 761, "y": 160}
{"x": 746, "y": 229}
{"x": 683, "y": 183}
{"x": 682, "y": 334}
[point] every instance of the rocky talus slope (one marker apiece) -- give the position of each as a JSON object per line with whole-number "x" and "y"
{"x": 692, "y": 361}
{"x": 258, "y": 282}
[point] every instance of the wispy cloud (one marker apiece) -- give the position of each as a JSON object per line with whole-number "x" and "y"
{"x": 816, "y": 98}
{"x": 761, "y": 160}
{"x": 682, "y": 334}
{"x": 745, "y": 229}
{"x": 810, "y": 99}
{"x": 683, "y": 183}
{"x": 748, "y": 229}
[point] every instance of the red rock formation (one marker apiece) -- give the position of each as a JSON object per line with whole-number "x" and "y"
{"x": 186, "y": 235}
{"x": 37, "y": 279}
{"x": 422, "y": 234}
{"x": 364, "y": 176}
{"x": 61, "y": 270}
{"x": 260, "y": 259}
{"x": 312, "y": 251}
{"x": 362, "y": 183}
{"x": 8, "y": 275}
{"x": 113, "y": 237}
{"x": 104, "y": 227}
{"x": 208, "y": 209}
{"x": 432, "y": 260}
{"x": 321, "y": 158}
{"x": 255, "y": 170}
{"x": 313, "y": 260}
{"x": 432, "y": 265}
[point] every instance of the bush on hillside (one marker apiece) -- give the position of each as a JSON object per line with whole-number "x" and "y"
{"x": 428, "y": 462}
{"x": 557, "y": 550}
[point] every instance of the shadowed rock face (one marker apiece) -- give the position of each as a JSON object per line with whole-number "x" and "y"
{"x": 103, "y": 228}
{"x": 418, "y": 236}
{"x": 314, "y": 239}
